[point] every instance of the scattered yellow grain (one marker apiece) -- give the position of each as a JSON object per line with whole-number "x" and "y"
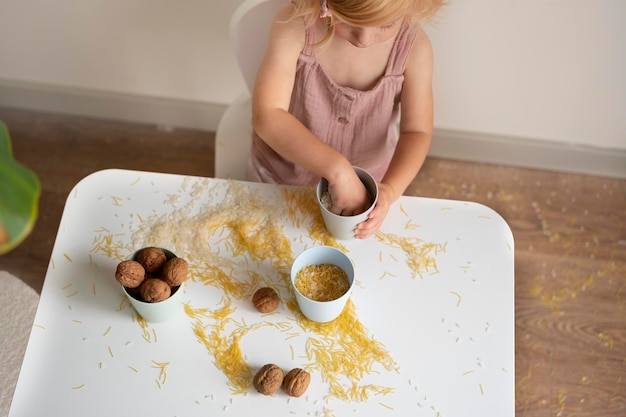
{"x": 123, "y": 303}
{"x": 81, "y": 386}
{"x": 387, "y": 274}
{"x": 162, "y": 367}
{"x": 326, "y": 412}
{"x": 228, "y": 357}
{"x": 420, "y": 255}
{"x": 344, "y": 348}
{"x": 67, "y": 257}
{"x": 144, "y": 327}
{"x": 107, "y": 331}
{"x": 562, "y": 396}
{"x": 606, "y": 340}
{"x": 458, "y": 296}
{"x": 411, "y": 226}
{"x": 292, "y": 335}
{"x": 195, "y": 313}
{"x": 111, "y": 352}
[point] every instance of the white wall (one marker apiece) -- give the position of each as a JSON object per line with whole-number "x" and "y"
{"x": 548, "y": 70}
{"x": 545, "y": 69}
{"x": 162, "y": 48}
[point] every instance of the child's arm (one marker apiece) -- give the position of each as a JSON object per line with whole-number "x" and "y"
{"x": 272, "y": 121}
{"x": 416, "y": 126}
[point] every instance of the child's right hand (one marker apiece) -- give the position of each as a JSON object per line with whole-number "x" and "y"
{"x": 348, "y": 195}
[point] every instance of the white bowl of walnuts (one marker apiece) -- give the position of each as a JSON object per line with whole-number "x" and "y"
{"x": 153, "y": 280}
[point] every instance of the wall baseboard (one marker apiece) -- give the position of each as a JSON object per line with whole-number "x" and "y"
{"x": 110, "y": 105}
{"x": 451, "y": 144}
{"x": 528, "y": 153}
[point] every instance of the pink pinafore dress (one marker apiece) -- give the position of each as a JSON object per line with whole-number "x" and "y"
{"x": 358, "y": 124}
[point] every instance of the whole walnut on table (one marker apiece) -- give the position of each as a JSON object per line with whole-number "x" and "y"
{"x": 265, "y": 300}
{"x": 296, "y": 382}
{"x": 268, "y": 379}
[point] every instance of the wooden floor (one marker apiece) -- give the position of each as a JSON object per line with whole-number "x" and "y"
{"x": 570, "y": 246}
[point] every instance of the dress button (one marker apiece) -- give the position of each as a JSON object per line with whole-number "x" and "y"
{"x": 342, "y": 120}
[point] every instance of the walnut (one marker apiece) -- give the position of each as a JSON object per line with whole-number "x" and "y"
{"x": 130, "y": 274}
{"x": 175, "y": 271}
{"x": 154, "y": 290}
{"x": 151, "y": 258}
{"x": 296, "y": 382}
{"x": 265, "y": 300}
{"x": 268, "y": 379}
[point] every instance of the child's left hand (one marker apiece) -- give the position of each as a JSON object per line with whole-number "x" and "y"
{"x": 368, "y": 227}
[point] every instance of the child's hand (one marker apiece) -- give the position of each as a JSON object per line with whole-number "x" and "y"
{"x": 348, "y": 196}
{"x": 374, "y": 221}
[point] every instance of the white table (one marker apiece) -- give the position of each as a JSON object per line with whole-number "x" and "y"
{"x": 440, "y": 308}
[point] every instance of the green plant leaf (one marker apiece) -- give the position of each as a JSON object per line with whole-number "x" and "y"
{"x": 19, "y": 196}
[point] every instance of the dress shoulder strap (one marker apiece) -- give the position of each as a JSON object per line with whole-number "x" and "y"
{"x": 310, "y": 37}
{"x": 401, "y": 50}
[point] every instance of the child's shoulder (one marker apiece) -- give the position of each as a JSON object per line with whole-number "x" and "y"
{"x": 288, "y": 33}
{"x": 287, "y": 20}
{"x": 421, "y": 54}
{"x": 422, "y": 41}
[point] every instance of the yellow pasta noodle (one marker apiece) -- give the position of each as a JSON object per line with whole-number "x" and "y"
{"x": 324, "y": 282}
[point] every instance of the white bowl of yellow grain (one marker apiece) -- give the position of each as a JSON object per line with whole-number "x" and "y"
{"x": 322, "y": 278}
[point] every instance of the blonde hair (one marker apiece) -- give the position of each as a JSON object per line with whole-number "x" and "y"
{"x": 365, "y": 12}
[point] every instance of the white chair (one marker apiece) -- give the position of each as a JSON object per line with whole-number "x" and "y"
{"x": 249, "y": 31}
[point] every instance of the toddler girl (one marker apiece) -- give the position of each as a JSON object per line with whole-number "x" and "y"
{"x": 336, "y": 76}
